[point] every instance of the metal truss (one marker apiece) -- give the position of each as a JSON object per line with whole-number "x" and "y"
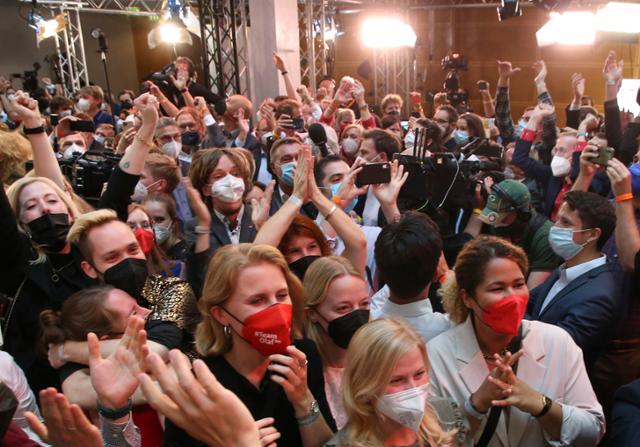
{"x": 72, "y": 62}
{"x": 316, "y": 52}
{"x": 225, "y": 45}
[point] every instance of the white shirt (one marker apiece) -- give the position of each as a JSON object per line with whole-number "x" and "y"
{"x": 234, "y": 235}
{"x": 371, "y": 210}
{"x": 419, "y": 314}
{"x": 569, "y": 274}
{"x": 264, "y": 176}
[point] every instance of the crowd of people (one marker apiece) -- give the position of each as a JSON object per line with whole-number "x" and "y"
{"x": 183, "y": 269}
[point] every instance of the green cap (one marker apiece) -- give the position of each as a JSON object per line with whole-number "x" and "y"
{"x": 506, "y": 197}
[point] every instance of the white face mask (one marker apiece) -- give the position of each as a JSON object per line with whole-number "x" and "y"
{"x": 65, "y": 113}
{"x": 560, "y": 166}
{"x": 162, "y": 233}
{"x": 184, "y": 157}
{"x": 405, "y": 407}
{"x": 83, "y": 105}
{"x": 350, "y": 146}
{"x": 99, "y": 138}
{"x": 228, "y": 189}
{"x": 141, "y": 192}
{"x": 409, "y": 139}
{"x": 172, "y": 148}
{"x": 68, "y": 152}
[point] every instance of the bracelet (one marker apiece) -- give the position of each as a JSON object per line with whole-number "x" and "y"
{"x": 297, "y": 201}
{"x": 201, "y": 230}
{"x": 528, "y": 135}
{"x": 611, "y": 82}
{"x": 477, "y": 211}
{"x": 33, "y": 130}
{"x": 116, "y": 413}
{"x": 624, "y": 197}
{"x": 330, "y": 213}
{"x": 547, "y": 402}
{"x": 581, "y": 134}
{"x": 284, "y": 73}
{"x": 311, "y": 417}
{"x": 472, "y": 410}
{"x": 184, "y": 90}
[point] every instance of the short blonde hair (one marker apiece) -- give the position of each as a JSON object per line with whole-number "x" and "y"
{"x": 317, "y": 280}
{"x": 79, "y": 232}
{"x": 222, "y": 275}
{"x": 15, "y": 150}
{"x": 388, "y": 99}
{"x": 237, "y": 102}
{"x": 373, "y": 353}
{"x": 94, "y": 91}
{"x": 470, "y": 268}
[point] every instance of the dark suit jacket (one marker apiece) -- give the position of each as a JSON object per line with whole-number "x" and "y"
{"x": 198, "y": 263}
{"x": 584, "y": 308}
{"x": 308, "y": 209}
{"x": 625, "y": 416}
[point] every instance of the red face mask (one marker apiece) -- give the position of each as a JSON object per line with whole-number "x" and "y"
{"x": 268, "y": 331}
{"x": 146, "y": 239}
{"x": 505, "y": 316}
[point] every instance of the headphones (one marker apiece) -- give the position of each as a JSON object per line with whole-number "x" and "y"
{"x": 524, "y": 211}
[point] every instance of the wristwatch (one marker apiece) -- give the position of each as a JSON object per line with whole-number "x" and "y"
{"x": 545, "y": 409}
{"x": 311, "y": 416}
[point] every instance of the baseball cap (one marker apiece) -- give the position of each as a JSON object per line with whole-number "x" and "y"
{"x": 506, "y": 197}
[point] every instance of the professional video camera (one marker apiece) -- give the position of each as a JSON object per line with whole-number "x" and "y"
{"x": 29, "y": 78}
{"x": 453, "y": 63}
{"x": 89, "y": 172}
{"x": 164, "y": 75}
{"x": 443, "y": 179}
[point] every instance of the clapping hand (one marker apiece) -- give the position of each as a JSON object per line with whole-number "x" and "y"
{"x": 612, "y": 70}
{"x": 578, "y": 85}
{"x": 260, "y": 208}
{"x": 540, "y": 69}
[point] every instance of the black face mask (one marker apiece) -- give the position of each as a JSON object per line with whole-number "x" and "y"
{"x": 341, "y": 329}
{"x": 129, "y": 275}
{"x": 300, "y": 266}
{"x": 50, "y": 231}
{"x": 190, "y": 138}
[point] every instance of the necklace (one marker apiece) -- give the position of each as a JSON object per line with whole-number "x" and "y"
{"x": 54, "y": 276}
{"x": 491, "y": 356}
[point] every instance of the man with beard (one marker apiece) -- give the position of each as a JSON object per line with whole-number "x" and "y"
{"x": 509, "y": 212}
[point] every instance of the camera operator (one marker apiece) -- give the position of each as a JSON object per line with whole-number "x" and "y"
{"x": 183, "y": 71}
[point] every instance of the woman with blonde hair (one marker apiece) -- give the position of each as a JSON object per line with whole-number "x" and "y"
{"x": 252, "y": 308}
{"x": 540, "y": 395}
{"x": 385, "y": 389}
{"x": 337, "y": 306}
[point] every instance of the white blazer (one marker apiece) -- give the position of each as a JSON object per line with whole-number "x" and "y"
{"x": 551, "y": 364}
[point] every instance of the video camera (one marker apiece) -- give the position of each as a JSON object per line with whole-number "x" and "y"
{"x": 29, "y": 78}
{"x": 163, "y": 75}
{"x": 444, "y": 179}
{"x": 89, "y": 172}
{"x": 453, "y": 63}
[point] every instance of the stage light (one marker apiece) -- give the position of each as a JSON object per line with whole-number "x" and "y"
{"x": 172, "y": 32}
{"x": 387, "y": 33}
{"x": 508, "y": 9}
{"x": 49, "y": 28}
{"x": 568, "y": 28}
{"x": 619, "y": 18}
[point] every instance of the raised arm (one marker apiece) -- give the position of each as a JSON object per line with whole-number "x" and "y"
{"x": 181, "y": 85}
{"x": 488, "y": 104}
{"x": 549, "y": 134}
{"x": 366, "y": 118}
{"x": 573, "y": 111}
{"x": 45, "y": 162}
{"x": 169, "y": 108}
{"x": 387, "y": 193}
{"x": 612, "y": 73}
{"x": 282, "y": 68}
{"x": 133, "y": 160}
{"x": 627, "y": 236}
{"x": 504, "y": 121}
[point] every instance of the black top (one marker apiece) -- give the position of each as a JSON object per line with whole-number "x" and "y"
{"x": 178, "y": 251}
{"x": 162, "y": 332}
{"x": 267, "y": 401}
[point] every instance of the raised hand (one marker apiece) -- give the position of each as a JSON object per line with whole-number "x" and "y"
{"x": 199, "y": 404}
{"x": 358, "y": 91}
{"x": 302, "y": 174}
{"x": 348, "y": 189}
{"x": 612, "y": 70}
{"x": 344, "y": 90}
{"x": 27, "y": 109}
{"x": 115, "y": 378}
{"x": 543, "y": 110}
{"x": 155, "y": 91}
{"x": 260, "y": 208}
{"x": 387, "y": 193}
{"x": 587, "y": 167}
{"x": 620, "y": 177}
{"x": 278, "y": 62}
{"x": 540, "y": 69}
{"x": 203, "y": 216}
{"x": 180, "y": 83}
{"x": 590, "y": 122}
{"x": 147, "y": 105}
{"x": 577, "y": 84}
{"x": 64, "y": 425}
{"x": 506, "y": 70}
{"x": 200, "y": 105}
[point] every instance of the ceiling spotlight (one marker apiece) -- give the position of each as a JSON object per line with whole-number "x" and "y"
{"x": 171, "y": 30}
{"x": 382, "y": 32}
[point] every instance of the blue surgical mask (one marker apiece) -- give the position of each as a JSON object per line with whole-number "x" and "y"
{"x": 3, "y": 116}
{"x": 520, "y": 127}
{"x": 562, "y": 243}
{"x": 334, "y": 191}
{"x": 461, "y": 137}
{"x": 288, "y": 171}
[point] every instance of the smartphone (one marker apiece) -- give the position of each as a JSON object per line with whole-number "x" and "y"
{"x": 482, "y": 85}
{"x": 374, "y": 173}
{"x": 604, "y": 155}
{"x": 405, "y": 125}
{"x": 81, "y": 126}
{"x": 298, "y": 124}
{"x": 54, "y": 119}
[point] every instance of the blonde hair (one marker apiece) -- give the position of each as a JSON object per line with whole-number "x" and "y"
{"x": 317, "y": 280}
{"x": 222, "y": 275}
{"x": 375, "y": 350}
{"x": 391, "y": 97}
{"x": 15, "y": 150}
{"x": 13, "y": 194}
{"x": 84, "y": 224}
{"x": 81, "y": 204}
{"x": 469, "y": 269}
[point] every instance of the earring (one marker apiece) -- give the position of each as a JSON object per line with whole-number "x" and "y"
{"x": 227, "y": 331}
